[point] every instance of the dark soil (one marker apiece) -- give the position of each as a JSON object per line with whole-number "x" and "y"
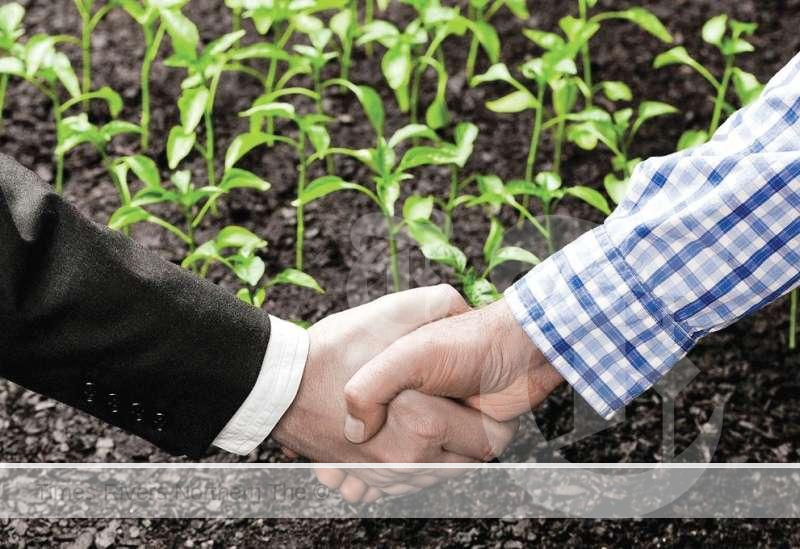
{"x": 746, "y": 367}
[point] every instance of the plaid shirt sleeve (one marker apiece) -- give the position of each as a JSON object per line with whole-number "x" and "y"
{"x": 703, "y": 238}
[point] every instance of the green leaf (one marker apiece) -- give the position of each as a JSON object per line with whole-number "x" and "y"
{"x": 12, "y": 65}
{"x": 11, "y": 16}
{"x": 341, "y": 23}
{"x": 465, "y": 134}
{"x": 616, "y": 91}
{"x": 747, "y": 86}
{"x": 297, "y": 278}
{"x": 426, "y": 156}
{"x": 119, "y": 127}
{"x": 480, "y": 292}
{"x": 224, "y": 43}
{"x": 424, "y": 232}
{"x": 38, "y": 49}
{"x": 436, "y": 115}
{"x": 409, "y": 131}
{"x": 323, "y": 186}
{"x": 739, "y": 45}
{"x": 590, "y": 196}
{"x": 259, "y": 298}
{"x": 239, "y": 238}
{"x": 517, "y": 101}
{"x": 714, "y": 29}
{"x": 145, "y": 169}
{"x": 244, "y": 295}
{"x": 179, "y": 145}
{"x": 674, "y": 56}
{"x": 692, "y": 138}
{"x": 496, "y": 72}
{"x": 370, "y": 101}
{"x": 127, "y": 216}
{"x": 380, "y": 31}
{"x": 647, "y": 21}
{"x": 739, "y": 28}
{"x": 512, "y": 253}
{"x": 236, "y": 178}
{"x": 418, "y": 207}
{"x": 446, "y": 254}
{"x": 243, "y": 144}
{"x": 488, "y": 39}
{"x": 284, "y": 110}
{"x": 319, "y": 138}
{"x": 549, "y": 181}
{"x": 396, "y": 66}
{"x": 192, "y": 105}
{"x": 651, "y": 109}
{"x": 66, "y": 75}
{"x": 183, "y": 32}
{"x": 565, "y": 95}
{"x": 545, "y": 40}
{"x": 261, "y": 50}
{"x": 182, "y": 180}
{"x": 494, "y": 240}
{"x": 615, "y": 187}
{"x": 249, "y": 269}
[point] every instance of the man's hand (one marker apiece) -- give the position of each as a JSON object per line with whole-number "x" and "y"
{"x": 419, "y": 428}
{"x": 482, "y": 357}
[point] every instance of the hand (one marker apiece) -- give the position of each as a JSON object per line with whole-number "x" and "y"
{"x": 482, "y": 357}
{"x": 419, "y": 428}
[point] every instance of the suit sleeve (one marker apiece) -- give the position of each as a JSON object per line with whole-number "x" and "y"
{"x": 90, "y": 318}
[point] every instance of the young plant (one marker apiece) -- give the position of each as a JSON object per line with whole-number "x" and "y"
{"x": 344, "y": 25}
{"x": 480, "y": 12}
{"x": 39, "y": 63}
{"x": 310, "y": 129}
{"x": 406, "y": 61}
{"x": 90, "y": 19}
{"x": 76, "y": 130}
{"x": 727, "y": 35}
{"x": 155, "y": 17}
{"x": 639, "y": 16}
{"x": 616, "y": 132}
{"x": 387, "y": 172}
{"x": 436, "y": 246}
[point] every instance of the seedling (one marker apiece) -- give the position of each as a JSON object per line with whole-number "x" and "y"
{"x": 641, "y": 17}
{"x": 436, "y": 246}
{"x": 39, "y": 63}
{"x": 310, "y": 129}
{"x": 76, "y": 130}
{"x": 727, "y": 35}
{"x": 480, "y": 12}
{"x": 616, "y": 132}
{"x": 90, "y": 19}
{"x": 405, "y": 60}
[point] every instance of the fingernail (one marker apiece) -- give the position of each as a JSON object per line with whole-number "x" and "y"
{"x": 354, "y": 429}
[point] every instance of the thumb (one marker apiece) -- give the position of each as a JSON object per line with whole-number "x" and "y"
{"x": 418, "y": 361}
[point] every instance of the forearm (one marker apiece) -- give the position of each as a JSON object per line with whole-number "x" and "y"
{"x": 92, "y": 319}
{"x": 703, "y": 238}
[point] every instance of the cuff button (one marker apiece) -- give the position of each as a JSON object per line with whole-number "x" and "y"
{"x": 112, "y": 400}
{"x": 159, "y": 420}
{"x": 137, "y": 412}
{"x": 89, "y": 392}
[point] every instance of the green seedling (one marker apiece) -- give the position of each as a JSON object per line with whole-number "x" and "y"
{"x": 480, "y": 12}
{"x": 727, "y": 35}
{"x": 310, "y": 130}
{"x": 410, "y": 52}
{"x": 639, "y": 16}
{"x": 616, "y": 132}
{"x": 436, "y": 246}
{"x": 90, "y": 18}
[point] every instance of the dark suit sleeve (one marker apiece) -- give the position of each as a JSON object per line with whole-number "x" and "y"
{"x": 90, "y": 318}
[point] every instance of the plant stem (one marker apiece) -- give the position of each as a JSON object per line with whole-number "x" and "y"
{"x": 586, "y": 61}
{"x": 719, "y": 101}
{"x": 208, "y": 116}
{"x": 152, "y": 45}
{"x": 536, "y": 133}
{"x": 395, "y": 267}
{"x": 59, "y": 185}
{"x": 369, "y": 13}
{"x": 318, "y": 103}
{"x": 3, "y": 90}
{"x": 559, "y": 145}
{"x": 793, "y": 319}
{"x": 473, "y": 44}
{"x": 416, "y": 83}
{"x": 269, "y": 82}
{"x": 236, "y": 21}
{"x": 301, "y": 184}
{"x": 86, "y": 59}
{"x": 448, "y": 220}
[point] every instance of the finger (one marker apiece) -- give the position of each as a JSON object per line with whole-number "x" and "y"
{"x": 400, "y": 489}
{"x": 422, "y": 361}
{"x": 353, "y": 489}
{"x": 472, "y": 434}
{"x": 397, "y": 315}
{"x": 289, "y": 453}
{"x": 372, "y": 495}
{"x": 332, "y": 478}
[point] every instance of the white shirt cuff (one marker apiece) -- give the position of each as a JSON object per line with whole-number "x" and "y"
{"x": 274, "y": 391}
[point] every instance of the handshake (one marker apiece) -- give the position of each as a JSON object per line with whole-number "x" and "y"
{"x": 415, "y": 376}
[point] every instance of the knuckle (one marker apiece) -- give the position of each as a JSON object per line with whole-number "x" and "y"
{"x": 354, "y": 397}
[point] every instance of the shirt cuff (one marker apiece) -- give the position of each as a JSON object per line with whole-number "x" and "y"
{"x": 273, "y": 393}
{"x": 598, "y": 325}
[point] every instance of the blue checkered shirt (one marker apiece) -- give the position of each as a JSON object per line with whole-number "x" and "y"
{"x": 703, "y": 237}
